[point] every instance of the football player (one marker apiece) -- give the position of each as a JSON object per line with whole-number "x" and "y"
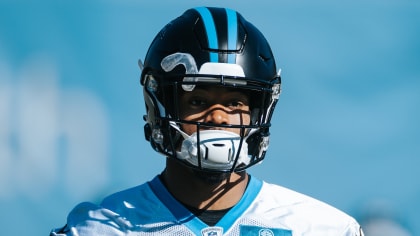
{"x": 210, "y": 86}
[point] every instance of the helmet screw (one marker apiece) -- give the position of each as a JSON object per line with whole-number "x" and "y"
{"x": 276, "y": 91}
{"x": 157, "y": 135}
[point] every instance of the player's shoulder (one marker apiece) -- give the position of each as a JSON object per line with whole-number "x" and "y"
{"x": 290, "y": 198}
{"x": 305, "y": 211}
{"x": 87, "y": 217}
{"x": 110, "y": 206}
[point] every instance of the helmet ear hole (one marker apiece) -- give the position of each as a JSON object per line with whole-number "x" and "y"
{"x": 147, "y": 132}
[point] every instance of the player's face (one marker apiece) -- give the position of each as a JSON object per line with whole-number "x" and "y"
{"x": 216, "y": 105}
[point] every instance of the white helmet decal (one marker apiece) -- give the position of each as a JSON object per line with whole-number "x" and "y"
{"x": 171, "y": 61}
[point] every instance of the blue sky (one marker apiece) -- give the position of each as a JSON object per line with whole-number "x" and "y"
{"x": 345, "y": 130}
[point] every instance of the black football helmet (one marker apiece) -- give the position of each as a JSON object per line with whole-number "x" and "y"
{"x": 209, "y": 47}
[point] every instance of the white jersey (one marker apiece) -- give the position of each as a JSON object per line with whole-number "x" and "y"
{"x": 264, "y": 209}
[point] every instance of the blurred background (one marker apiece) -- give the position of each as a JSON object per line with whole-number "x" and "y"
{"x": 346, "y": 129}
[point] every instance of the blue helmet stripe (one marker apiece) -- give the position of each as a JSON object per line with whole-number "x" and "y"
{"x": 210, "y": 30}
{"x": 232, "y": 23}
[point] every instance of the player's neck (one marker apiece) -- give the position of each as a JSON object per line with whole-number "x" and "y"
{"x": 194, "y": 191}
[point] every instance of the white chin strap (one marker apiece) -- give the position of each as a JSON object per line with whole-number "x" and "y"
{"x": 218, "y": 150}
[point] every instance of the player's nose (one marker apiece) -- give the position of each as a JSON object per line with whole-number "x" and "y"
{"x": 217, "y": 115}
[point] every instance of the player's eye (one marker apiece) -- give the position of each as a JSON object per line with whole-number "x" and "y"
{"x": 236, "y": 104}
{"x": 197, "y": 102}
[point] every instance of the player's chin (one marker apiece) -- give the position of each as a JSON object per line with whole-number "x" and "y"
{"x": 210, "y": 177}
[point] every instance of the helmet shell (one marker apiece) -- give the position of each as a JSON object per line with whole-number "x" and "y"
{"x": 222, "y": 37}
{"x": 213, "y": 35}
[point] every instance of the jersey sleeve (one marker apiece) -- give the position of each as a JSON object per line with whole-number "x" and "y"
{"x": 90, "y": 219}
